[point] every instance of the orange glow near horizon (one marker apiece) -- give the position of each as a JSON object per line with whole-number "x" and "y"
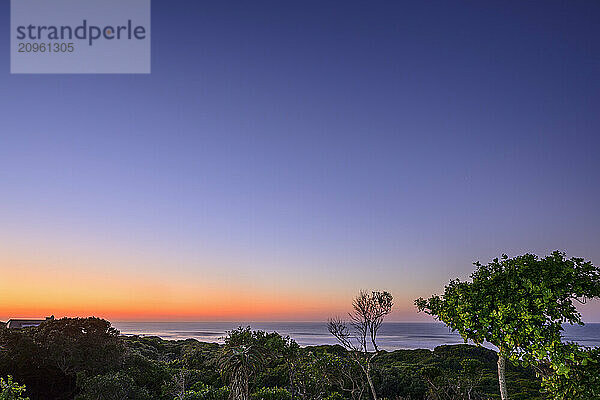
{"x": 67, "y": 294}
{"x": 238, "y": 309}
{"x": 43, "y": 283}
{"x": 144, "y": 301}
{"x": 141, "y": 303}
{"x": 36, "y": 286}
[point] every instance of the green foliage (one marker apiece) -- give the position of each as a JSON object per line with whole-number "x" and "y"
{"x": 242, "y": 356}
{"x": 402, "y": 381}
{"x": 10, "y": 390}
{"x": 76, "y": 345}
{"x": 204, "y": 392}
{"x": 152, "y": 368}
{"x": 146, "y": 373}
{"x": 408, "y": 374}
{"x": 273, "y": 393}
{"x": 517, "y": 304}
{"x": 114, "y": 386}
{"x": 48, "y": 358}
{"x": 317, "y": 372}
{"x": 575, "y": 375}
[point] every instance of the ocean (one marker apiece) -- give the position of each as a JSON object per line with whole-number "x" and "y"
{"x": 392, "y": 336}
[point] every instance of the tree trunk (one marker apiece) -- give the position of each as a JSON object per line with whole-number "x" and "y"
{"x": 291, "y": 376}
{"x": 368, "y": 373}
{"x": 502, "y": 377}
{"x": 246, "y": 386}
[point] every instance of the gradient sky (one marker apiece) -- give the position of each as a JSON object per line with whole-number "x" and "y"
{"x": 281, "y": 156}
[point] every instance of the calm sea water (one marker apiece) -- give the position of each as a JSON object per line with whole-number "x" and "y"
{"x": 400, "y": 335}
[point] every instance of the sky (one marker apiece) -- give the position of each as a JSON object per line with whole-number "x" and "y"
{"x": 281, "y": 156}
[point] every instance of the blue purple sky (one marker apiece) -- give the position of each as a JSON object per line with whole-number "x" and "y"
{"x": 281, "y": 156}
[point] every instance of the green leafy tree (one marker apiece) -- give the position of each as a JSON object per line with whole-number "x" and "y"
{"x": 75, "y": 345}
{"x": 10, "y": 390}
{"x": 517, "y": 304}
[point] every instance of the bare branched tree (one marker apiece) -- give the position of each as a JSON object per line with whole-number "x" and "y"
{"x": 369, "y": 311}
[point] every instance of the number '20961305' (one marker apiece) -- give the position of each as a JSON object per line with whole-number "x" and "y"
{"x": 46, "y": 47}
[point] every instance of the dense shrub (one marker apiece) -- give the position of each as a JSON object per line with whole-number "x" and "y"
{"x": 115, "y": 386}
{"x": 274, "y": 393}
{"x": 10, "y": 390}
{"x": 48, "y": 358}
{"x": 203, "y": 392}
{"x": 400, "y": 381}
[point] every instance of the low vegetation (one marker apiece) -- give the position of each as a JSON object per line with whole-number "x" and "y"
{"x": 105, "y": 366}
